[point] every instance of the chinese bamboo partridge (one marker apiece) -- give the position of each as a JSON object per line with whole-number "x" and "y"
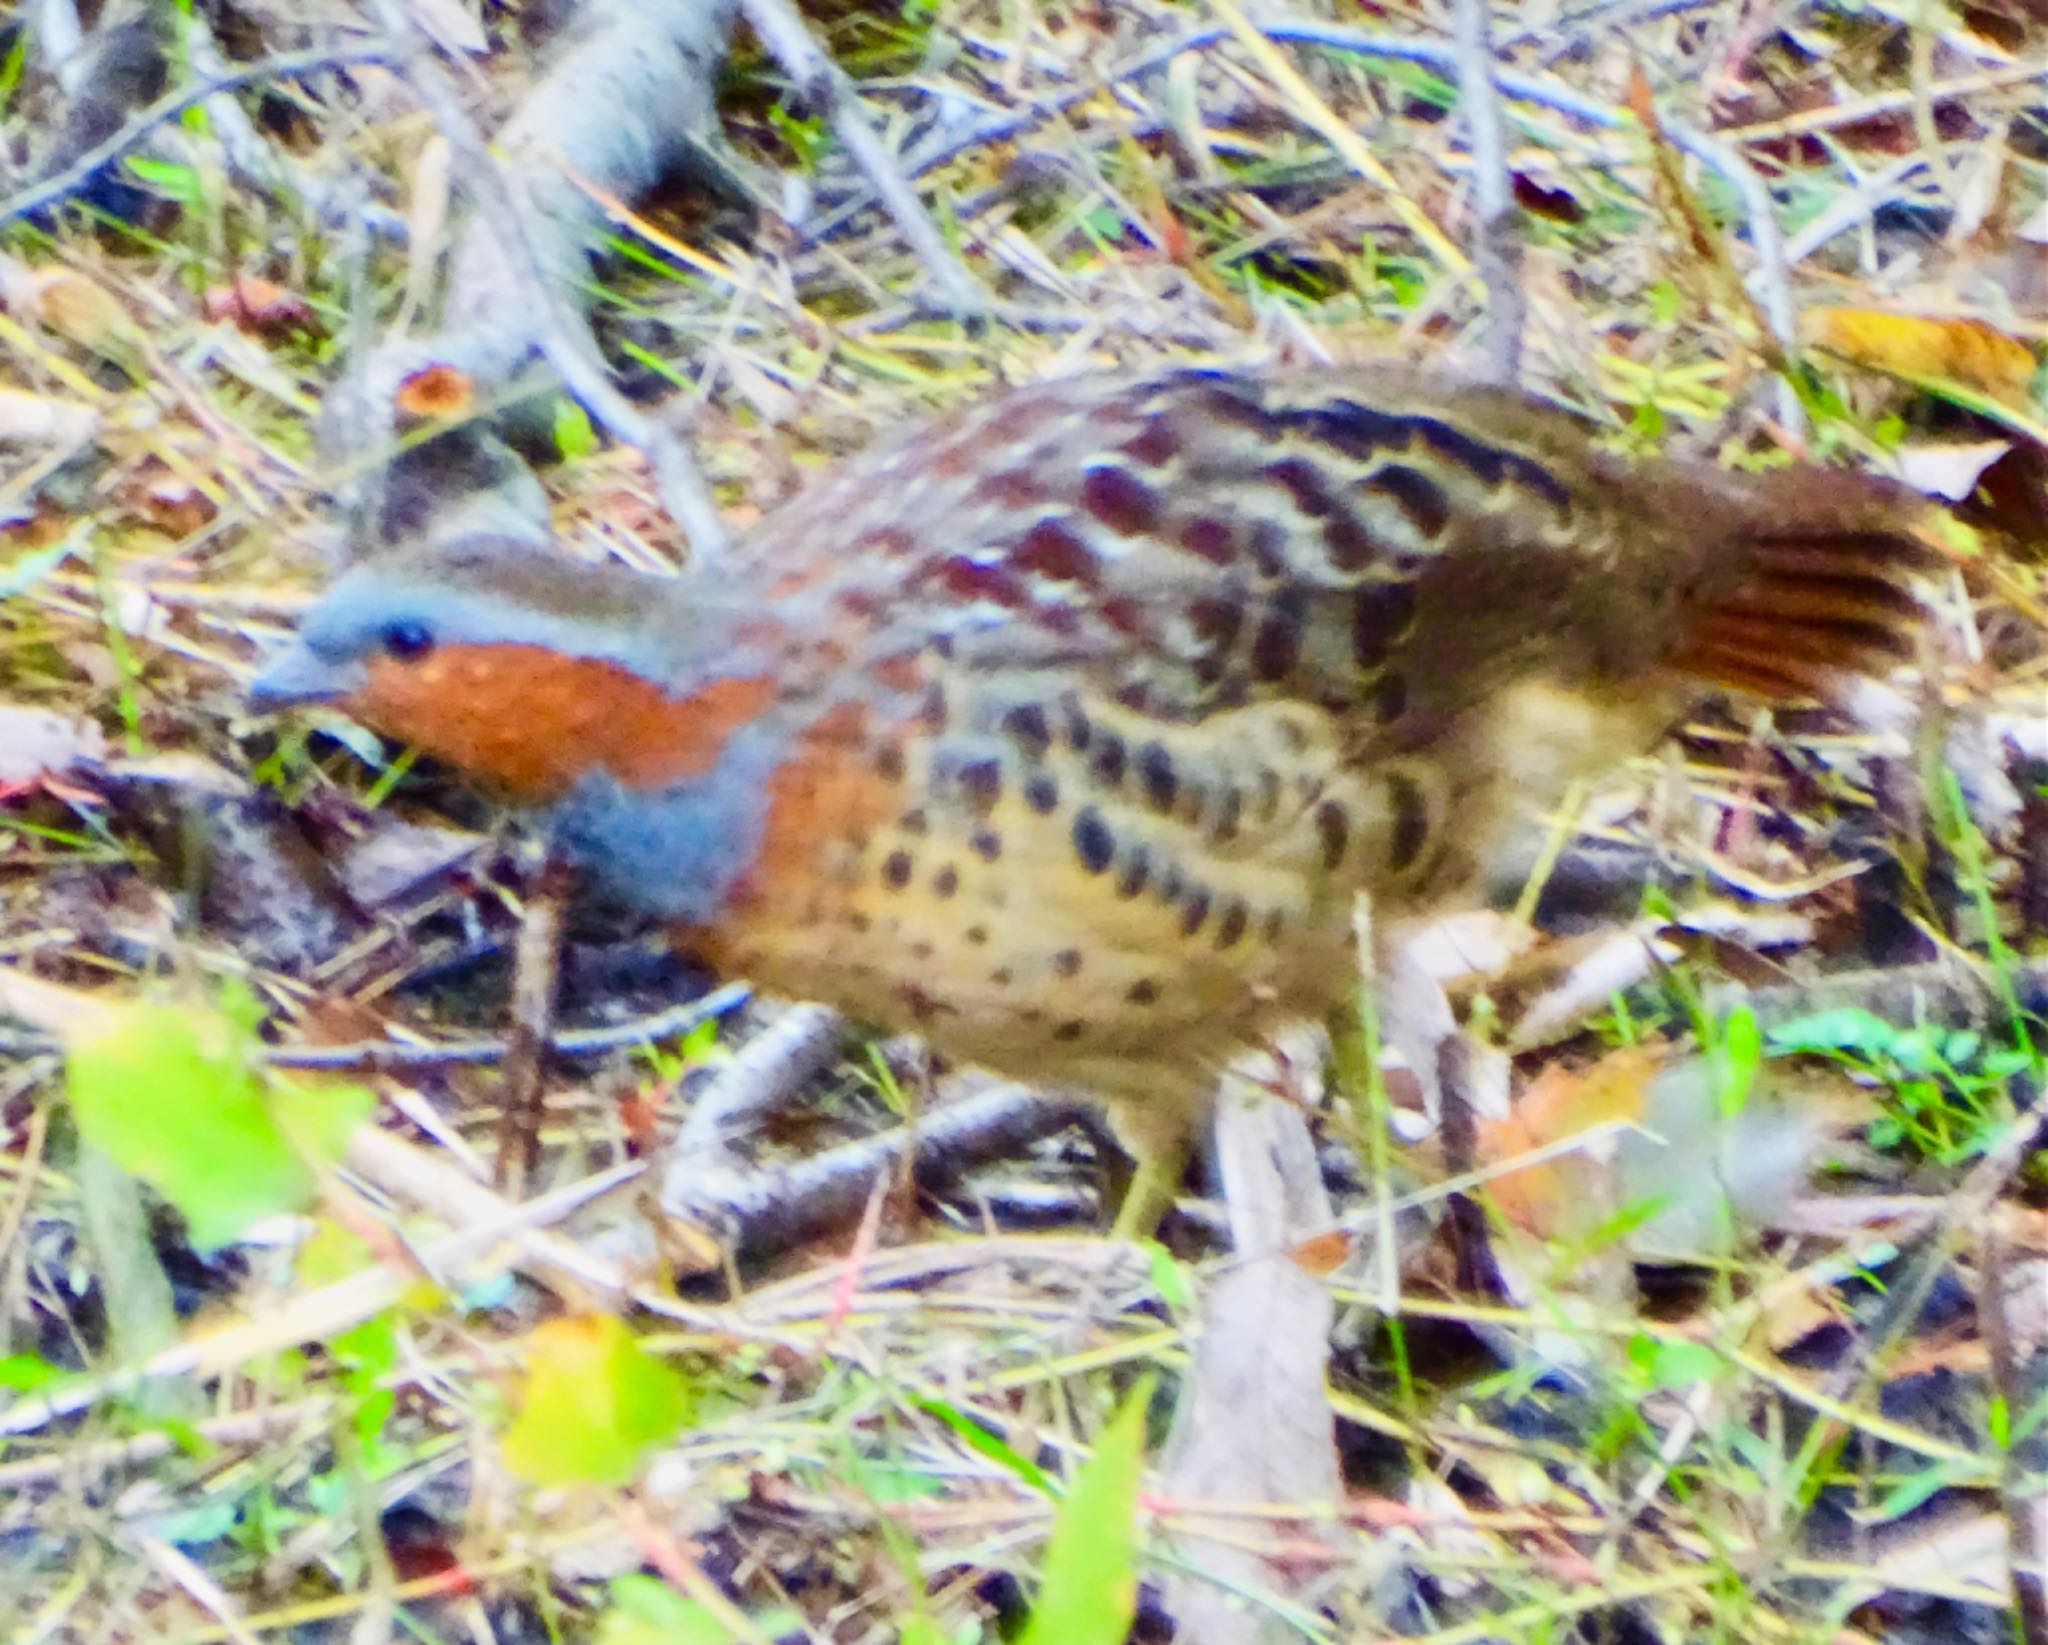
{"x": 1063, "y": 730}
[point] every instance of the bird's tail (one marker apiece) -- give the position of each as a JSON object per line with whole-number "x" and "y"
{"x": 1820, "y": 583}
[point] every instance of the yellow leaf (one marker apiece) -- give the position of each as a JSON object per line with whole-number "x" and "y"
{"x": 1920, "y": 345}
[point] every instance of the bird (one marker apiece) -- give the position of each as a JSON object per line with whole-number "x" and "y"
{"x": 1064, "y": 729}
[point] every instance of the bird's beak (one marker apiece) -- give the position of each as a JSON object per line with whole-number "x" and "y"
{"x": 294, "y": 674}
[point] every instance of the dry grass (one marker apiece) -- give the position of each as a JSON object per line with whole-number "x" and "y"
{"x": 1798, "y": 1440}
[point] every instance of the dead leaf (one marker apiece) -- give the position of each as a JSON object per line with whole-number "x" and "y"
{"x": 1563, "y": 1103}
{"x": 1964, "y": 350}
{"x": 1254, "y": 1426}
{"x": 1950, "y": 470}
{"x": 436, "y": 391}
{"x": 35, "y": 743}
{"x": 37, "y": 419}
{"x": 253, "y": 304}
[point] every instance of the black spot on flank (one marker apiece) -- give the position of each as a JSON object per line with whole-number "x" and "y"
{"x": 1303, "y": 481}
{"x": 982, "y": 782}
{"x": 1136, "y": 871}
{"x": 1027, "y": 728}
{"x": 1226, "y": 407}
{"x": 1041, "y": 793}
{"x": 1002, "y": 976}
{"x": 1171, "y": 887}
{"x": 1077, "y": 729}
{"x": 1216, "y": 623}
{"x": 1277, "y": 647}
{"x": 896, "y": 870}
{"x": 914, "y": 821}
{"x": 1333, "y": 827}
{"x": 1155, "y": 772}
{"x": 859, "y": 922}
{"x": 1230, "y": 929}
{"x": 920, "y": 950}
{"x": 1210, "y": 539}
{"x": 1144, "y": 992}
{"x": 977, "y": 934}
{"x": 1389, "y": 698}
{"x": 1411, "y": 821}
{"x": 1192, "y": 916}
{"x": 946, "y": 881}
{"x": 986, "y": 844}
{"x": 1415, "y": 494}
{"x": 1108, "y": 760}
{"x": 1120, "y": 500}
{"x": 933, "y": 714}
{"x": 889, "y": 763}
{"x": 1269, "y": 549}
{"x": 1380, "y": 615}
{"x": 1352, "y": 548}
{"x": 1067, "y": 962}
{"x": 1093, "y": 841}
{"x": 1068, "y": 1032}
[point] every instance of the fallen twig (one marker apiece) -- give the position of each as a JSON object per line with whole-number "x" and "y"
{"x": 824, "y": 85}
{"x": 282, "y": 66}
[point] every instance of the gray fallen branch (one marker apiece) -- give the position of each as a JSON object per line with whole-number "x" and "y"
{"x": 627, "y": 101}
{"x": 754, "y": 1211}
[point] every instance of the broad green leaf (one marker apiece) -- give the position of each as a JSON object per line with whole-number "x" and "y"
{"x": 174, "y": 1096}
{"x": 1090, "y": 1592}
{"x": 594, "y": 1403}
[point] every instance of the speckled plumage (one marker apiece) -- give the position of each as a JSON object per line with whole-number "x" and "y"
{"x": 1064, "y": 729}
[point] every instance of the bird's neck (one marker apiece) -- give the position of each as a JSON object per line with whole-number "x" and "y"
{"x": 535, "y": 722}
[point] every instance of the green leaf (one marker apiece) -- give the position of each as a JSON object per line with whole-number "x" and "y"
{"x": 1849, "y": 1029}
{"x": 594, "y": 1403}
{"x": 1673, "y": 1364}
{"x": 1739, "y": 1055}
{"x": 1090, "y": 1592}
{"x": 647, "y": 1611}
{"x": 181, "y": 184}
{"x": 980, "y": 1440}
{"x": 574, "y": 436}
{"x": 25, "y": 1373}
{"x": 174, "y": 1096}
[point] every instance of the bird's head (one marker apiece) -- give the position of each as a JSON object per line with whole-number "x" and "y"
{"x": 522, "y": 667}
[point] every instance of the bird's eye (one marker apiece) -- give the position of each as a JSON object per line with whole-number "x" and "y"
{"x": 407, "y": 640}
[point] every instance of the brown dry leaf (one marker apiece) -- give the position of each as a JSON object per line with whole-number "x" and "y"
{"x": 436, "y": 391}
{"x": 1563, "y": 1103}
{"x": 1964, "y": 350}
{"x": 253, "y": 304}
{"x": 72, "y": 306}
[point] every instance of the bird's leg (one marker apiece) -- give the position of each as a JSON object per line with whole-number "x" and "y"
{"x": 1156, "y": 1135}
